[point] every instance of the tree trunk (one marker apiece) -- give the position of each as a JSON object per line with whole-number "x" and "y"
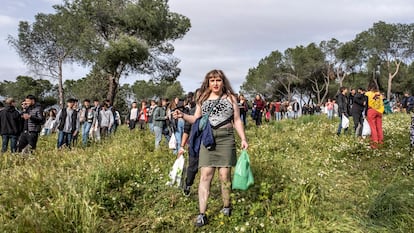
{"x": 60, "y": 85}
{"x": 327, "y": 80}
{"x": 112, "y": 88}
{"x": 391, "y": 77}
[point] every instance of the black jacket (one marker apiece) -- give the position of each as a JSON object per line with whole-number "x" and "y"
{"x": 10, "y": 121}
{"x": 360, "y": 101}
{"x": 34, "y": 123}
{"x": 342, "y": 102}
{"x": 62, "y": 120}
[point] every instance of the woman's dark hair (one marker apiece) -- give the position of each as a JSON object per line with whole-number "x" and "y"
{"x": 372, "y": 86}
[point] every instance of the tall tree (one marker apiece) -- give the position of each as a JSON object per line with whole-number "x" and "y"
{"x": 129, "y": 36}
{"x": 48, "y": 43}
{"x": 263, "y": 79}
{"x": 307, "y": 63}
{"x": 391, "y": 43}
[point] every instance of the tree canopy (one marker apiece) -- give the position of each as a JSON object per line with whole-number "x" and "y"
{"x": 25, "y": 85}
{"x": 129, "y": 36}
{"x": 382, "y": 53}
{"x": 113, "y": 37}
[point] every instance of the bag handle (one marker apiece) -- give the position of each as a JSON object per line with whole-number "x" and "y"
{"x": 215, "y": 104}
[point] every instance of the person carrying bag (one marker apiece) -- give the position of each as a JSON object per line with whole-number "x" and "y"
{"x": 243, "y": 175}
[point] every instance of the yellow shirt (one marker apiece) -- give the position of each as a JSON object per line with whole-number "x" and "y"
{"x": 375, "y": 101}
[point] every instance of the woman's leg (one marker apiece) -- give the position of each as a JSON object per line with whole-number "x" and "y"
{"x": 225, "y": 176}
{"x": 206, "y": 177}
{"x": 179, "y": 134}
{"x": 379, "y": 128}
{"x": 371, "y": 118}
{"x": 158, "y": 135}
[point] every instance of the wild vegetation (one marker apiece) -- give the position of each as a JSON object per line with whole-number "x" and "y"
{"x": 307, "y": 180}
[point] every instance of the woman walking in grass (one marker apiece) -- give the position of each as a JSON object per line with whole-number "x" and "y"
{"x": 217, "y": 100}
{"x": 374, "y": 115}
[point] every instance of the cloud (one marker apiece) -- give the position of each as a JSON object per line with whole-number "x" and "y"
{"x": 11, "y": 71}
{"x": 53, "y": 2}
{"x": 234, "y": 35}
{"x": 7, "y": 21}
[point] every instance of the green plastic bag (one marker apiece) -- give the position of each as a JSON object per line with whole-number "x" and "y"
{"x": 243, "y": 176}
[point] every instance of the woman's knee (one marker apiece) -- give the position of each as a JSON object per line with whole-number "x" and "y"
{"x": 206, "y": 174}
{"x": 224, "y": 174}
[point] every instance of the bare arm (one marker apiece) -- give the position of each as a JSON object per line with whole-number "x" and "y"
{"x": 238, "y": 124}
{"x": 183, "y": 142}
{"x": 189, "y": 118}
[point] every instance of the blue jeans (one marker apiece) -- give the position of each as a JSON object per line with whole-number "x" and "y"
{"x": 330, "y": 114}
{"x": 179, "y": 134}
{"x": 47, "y": 131}
{"x": 340, "y": 126}
{"x": 158, "y": 136}
{"x": 86, "y": 127}
{"x": 64, "y": 138}
{"x": 13, "y": 143}
{"x": 243, "y": 117}
{"x": 278, "y": 116}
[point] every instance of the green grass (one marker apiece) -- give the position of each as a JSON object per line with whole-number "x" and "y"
{"x": 307, "y": 180}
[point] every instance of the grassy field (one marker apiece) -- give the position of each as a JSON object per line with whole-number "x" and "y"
{"x": 307, "y": 179}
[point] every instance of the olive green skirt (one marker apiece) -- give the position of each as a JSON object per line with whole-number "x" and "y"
{"x": 224, "y": 152}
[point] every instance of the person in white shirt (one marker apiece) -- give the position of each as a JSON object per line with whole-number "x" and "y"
{"x": 132, "y": 117}
{"x": 106, "y": 120}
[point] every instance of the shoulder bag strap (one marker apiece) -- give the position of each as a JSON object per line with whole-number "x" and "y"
{"x": 215, "y": 104}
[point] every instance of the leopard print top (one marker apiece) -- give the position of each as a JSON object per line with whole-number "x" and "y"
{"x": 222, "y": 112}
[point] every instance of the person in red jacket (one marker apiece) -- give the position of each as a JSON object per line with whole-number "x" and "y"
{"x": 143, "y": 115}
{"x": 259, "y": 106}
{"x": 278, "y": 112}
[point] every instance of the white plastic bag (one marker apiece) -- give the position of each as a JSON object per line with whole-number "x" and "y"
{"x": 43, "y": 132}
{"x": 366, "y": 129}
{"x": 345, "y": 122}
{"x": 172, "y": 144}
{"x": 176, "y": 172}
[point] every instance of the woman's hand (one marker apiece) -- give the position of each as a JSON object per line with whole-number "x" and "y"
{"x": 244, "y": 145}
{"x": 178, "y": 114}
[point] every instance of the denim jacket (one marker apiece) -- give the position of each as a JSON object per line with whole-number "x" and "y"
{"x": 197, "y": 137}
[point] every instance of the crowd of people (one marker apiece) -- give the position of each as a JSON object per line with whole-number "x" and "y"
{"x": 211, "y": 146}
{"x": 21, "y": 127}
{"x": 279, "y": 110}
{"x": 360, "y": 104}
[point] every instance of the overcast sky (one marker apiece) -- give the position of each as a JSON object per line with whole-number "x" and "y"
{"x": 232, "y": 35}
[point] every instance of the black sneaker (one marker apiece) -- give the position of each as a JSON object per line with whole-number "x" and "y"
{"x": 201, "y": 220}
{"x": 187, "y": 190}
{"x": 226, "y": 211}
